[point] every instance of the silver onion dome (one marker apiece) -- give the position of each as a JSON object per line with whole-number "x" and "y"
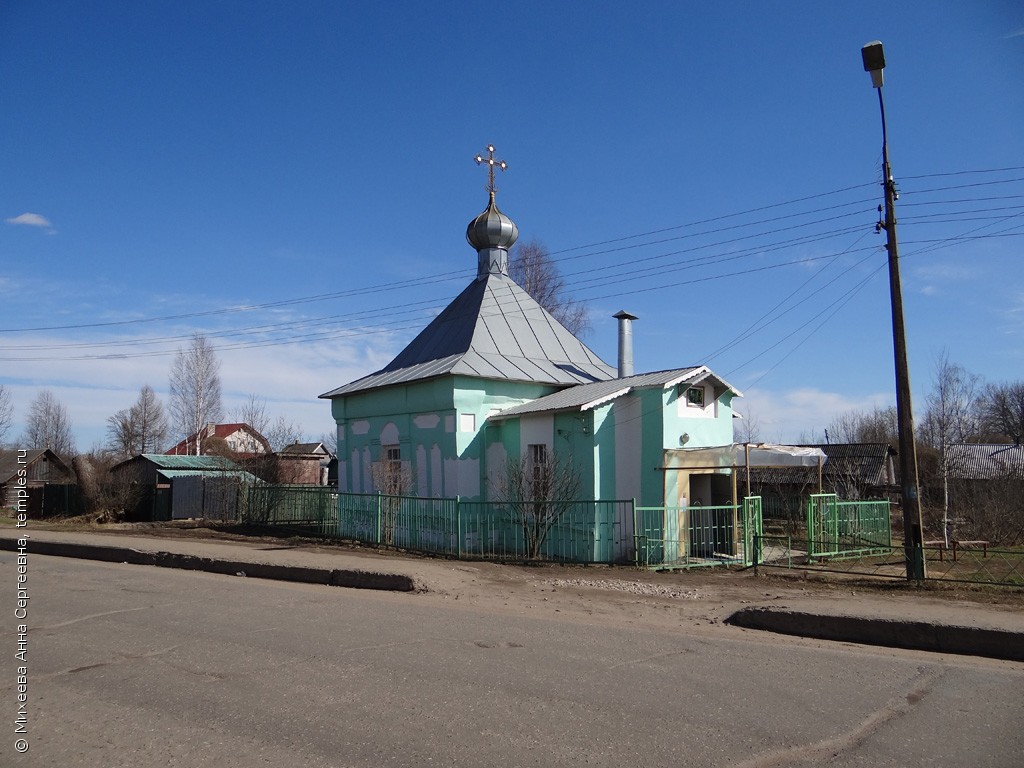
{"x": 492, "y": 229}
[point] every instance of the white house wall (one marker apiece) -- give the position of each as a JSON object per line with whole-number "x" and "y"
{"x": 462, "y": 477}
{"x": 536, "y": 429}
{"x": 496, "y": 460}
{"x": 422, "y": 483}
{"x": 437, "y": 486}
{"x": 628, "y": 416}
{"x": 367, "y": 473}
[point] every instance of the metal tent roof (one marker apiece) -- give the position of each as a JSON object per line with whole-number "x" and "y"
{"x": 493, "y": 330}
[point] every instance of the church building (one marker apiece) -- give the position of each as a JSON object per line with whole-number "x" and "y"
{"x": 496, "y": 376}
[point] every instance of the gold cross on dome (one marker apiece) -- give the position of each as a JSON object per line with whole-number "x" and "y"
{"x": 491, "y": 163}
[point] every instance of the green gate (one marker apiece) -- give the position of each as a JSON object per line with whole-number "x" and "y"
{"x": 846, "y": 528}
{"x": 691, "y": 536}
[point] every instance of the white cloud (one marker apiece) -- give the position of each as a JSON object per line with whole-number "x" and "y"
{"x": 288, "y": 377}
{"x": 30, "y": 220}
{"x": 788, "y": 415}
{"x": 946, "y": 272}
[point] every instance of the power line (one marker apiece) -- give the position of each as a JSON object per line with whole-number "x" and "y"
{"x": 456, "y": 274}
{"x": 615, "y": 272}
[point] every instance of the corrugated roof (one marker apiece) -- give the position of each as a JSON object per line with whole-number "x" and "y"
{"x": 494, "y": 329}
{"x": 587, "y": 396}
{"x": 202, "y": 463}
{"x": 246, "y": 477}
{"x": 986, "y": 461}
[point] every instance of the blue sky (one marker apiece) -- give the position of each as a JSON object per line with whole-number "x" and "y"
{"x": 294, "y": 180}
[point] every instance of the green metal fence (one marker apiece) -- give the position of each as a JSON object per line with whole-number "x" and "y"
{"x": 421, "y": 524}
{"x": 581, "y": 532}
{"x": 686, "y": 537}
{"x": 846, "y": 528}
{"x": 576, "y": 531}
{"x": 572, "y": 531}
{"x": 308, "y": 508}
{"x": 857, "y": 540}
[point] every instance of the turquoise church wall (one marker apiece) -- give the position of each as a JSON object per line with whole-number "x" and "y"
{"x": 441, "y": 428}
{"x": 451, "y": 448}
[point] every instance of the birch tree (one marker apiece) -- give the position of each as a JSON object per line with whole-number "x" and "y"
{"x": 951, "y": 416}
{"x": 6, "y": 413}
{"x": 195, "y": 390}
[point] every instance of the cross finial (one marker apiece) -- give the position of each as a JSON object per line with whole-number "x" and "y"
{"x": 491, "y": 163}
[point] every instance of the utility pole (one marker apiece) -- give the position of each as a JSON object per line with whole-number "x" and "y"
{"x": 913, "y": 547}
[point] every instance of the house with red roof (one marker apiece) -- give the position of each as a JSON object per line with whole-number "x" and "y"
{"x": 239, "y": 439}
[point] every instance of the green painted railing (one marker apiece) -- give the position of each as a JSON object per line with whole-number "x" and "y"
{"x": 686, "y": 537}
{"x": 310, "y": 508}
{"x": 836, "y": 528}
{"x": 571, "y": 531}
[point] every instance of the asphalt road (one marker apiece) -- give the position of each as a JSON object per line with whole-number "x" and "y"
{"x": 138, "y": 666}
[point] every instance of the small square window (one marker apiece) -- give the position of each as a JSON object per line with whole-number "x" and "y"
{"x": 695, "y": 397}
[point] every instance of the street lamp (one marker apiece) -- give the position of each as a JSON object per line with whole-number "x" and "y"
{"x": 874, "y": 62}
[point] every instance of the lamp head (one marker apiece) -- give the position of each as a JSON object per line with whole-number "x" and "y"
{"x": 874, "y": 62}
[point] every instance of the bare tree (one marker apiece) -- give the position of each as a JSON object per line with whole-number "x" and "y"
{"x": 49, "y": 425}
{"x": 1003, "y": 410}
{"x": 877, "y": 426}
{"x": 951, "y": 416}
{"x": 538, "y": 489}
{"x": 330, "y": 441}
{"x": 195, "y": 389}
{"x": 254, "y": 413}
{"x": 108, "y": 496}
{"x": 532, "y": 268}
{"x": 392, "y": 478}
{"x": 747, "y": 429}
{"x": 279, "y": 432}
{"x": 284, "y": 433}
{"x": 990, "y": 508}
{"x": 6, "y": 413}
{"x": 952, "y": 413}
{"x": 142, "y": 428}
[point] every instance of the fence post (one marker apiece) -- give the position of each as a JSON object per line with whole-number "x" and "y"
{"x": 380, "y": 501}
{"x": 458, "y": 524}
{"x": 636, "y": 536}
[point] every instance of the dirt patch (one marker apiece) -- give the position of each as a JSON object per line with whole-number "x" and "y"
{"x": 607, "y": 594}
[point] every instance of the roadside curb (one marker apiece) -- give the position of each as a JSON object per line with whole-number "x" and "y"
{"x": 334, "y": 577}
{"x": 892, "y": 633}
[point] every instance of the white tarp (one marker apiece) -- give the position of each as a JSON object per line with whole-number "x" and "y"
{"x": 735, "y": 455}
{"x": 768, "y": 455}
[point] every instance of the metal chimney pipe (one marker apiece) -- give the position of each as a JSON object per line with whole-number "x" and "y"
{"x": 625, "y": 342}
